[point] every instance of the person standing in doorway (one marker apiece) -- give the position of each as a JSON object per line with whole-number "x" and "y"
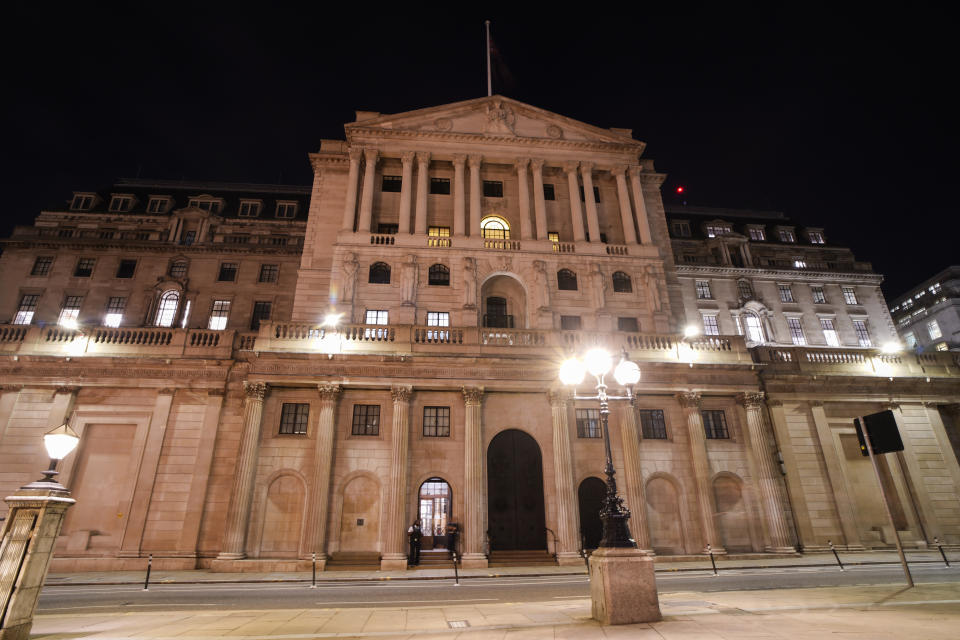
{"x": 415, "y": 533}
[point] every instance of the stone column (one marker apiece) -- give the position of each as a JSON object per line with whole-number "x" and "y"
{"x": 525, "y": 225}
{"x": 623, "y": 197}
{"x": 366, "y": 197}
{"x": 576, "y": 212}
{"x": 322, "y": 466}
{"x": 568, "y": 544}
{"x": 459, "y": 196}
{"x": 636, "y": 497}
{"x": 643, "y": 223}
{"x": 423, "y": 186}
{"x": 474, "y": 493}
{"x": 350, "y": 206}
{"x": 846, "y": 514}
{"x": 475, "y": 161}
{"x": 690, "y": 401}
{"x": 539, "y": 204}
{"x": 406, "y": 179}
{"x": 394, "y": 556}
{"x": 238, "y": 516}
{"x": 593, "y": 223}
{"x": 766, "y": 474}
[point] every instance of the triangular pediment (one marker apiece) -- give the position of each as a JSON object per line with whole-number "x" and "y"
{"x": 492, "y": 117}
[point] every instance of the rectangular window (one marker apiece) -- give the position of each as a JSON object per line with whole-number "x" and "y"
{"x": 596, "y": 194}
{"x": 933, "y": 330}
{"x": 438, "y": 319}
{"x": 438, "y": 232}
{"x": 120, "y": 203}
{"x": 715, "y": 425}
{"x": 799, "y": 263}
{"x": 570, "y": 323}
{"x": 553, "y": 236}
{"x": 710, "y": 327}
{"x": 819, "y": 297}
{"x": 188, "y": 238}
{"x": 829, "y": 332}
{"x": 588, "y": 423}
{"x": 681, "y": 229}
{"x": 269, "y": 273}
{"x": 549, "y": 191}
{"x": 796, "y": 331}
{"x": 910, "y": 339}
{"x": 28, "y": 306}
{"x": 786, "y": 293}
{"x": 219, "y": 314}
{"x": 41, "y": 266}
{"x": 652, "y": 424}
{"x": 249, "y": 209}
{"x": 815, "y": 237}
{"x": 228, "y": 272}
{"x": 863, "y": 335}
{"x": 106, "y": 234}
{"x": 81, "y": 202}
{"x": 157, "y": 205}
{"x": 389, "y": 228}
{"x": 391, "y": 184}
{"x": 286, "y": 210}
{"x": 261, "y": 313}
{"x": 84, "y": 267}
{"x": 942, "y": 346}
{"x": 376, "y": 316}
{"x": 366, "y": 420}
{"x": 70, "y": 309}
{"x": 126, "y": 268}
{"x": 294, "y": 417}
{"x": 703, "y": 290}
{"x": 492, "y": 189}
{"x": 440, "y": 186}
{"x": 849, "y": 295}
{"x": 66, "y": 232}
{"x": 628, "y": 324}
{"x": 787, "y": 236}
{"x": 757, "y": 234}
{"x": 714, "y": 230}
{"x": 436, "y": 422}
{"x": 115, "y": 308}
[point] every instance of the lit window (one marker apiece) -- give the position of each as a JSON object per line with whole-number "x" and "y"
{"x": 84, "y": 267}
{"x": 186, "y": 314}
{"x": 829, "y": 332}
{"x": 933, "y": 330}
{"x": 376, "y": 316}
{"x": 366, "y": 420}
{"x": 70, "y": 309}
{"x": 438, "y": 232}
{"x": 286, "y": 210}
{"x": 622, "y": 282}
{"x": 818, "y": 295}
{"x": 799, "y": 263}
{"x": 436, "y": 422}
{"x": 178, "y": 269}
{"x": 786, "y": 293}
{"x": 628, "y": 324}
{"x": 553, "y": 236}
{"x": 754, "y": 328}
{"x": 120, "y": 203}
{"x": 652, "y": 424}
{"x": 710, "y": 327}
{"x": 815, "y": 237}
{"x": 863, "y": 335}
{"x": 786, "y": 235}
{"x": 28, "y": 306}
{"x": 566, "y": 280}
{"x": 391, "y": 184}
{"x": 379, "y": 273}
{"x": 294, "y": 417}
{"x": 438, "y": 275}
{"x": 228, "y": 272}
{"x": 41, "y": 266}
{"x": 934, "y": 289}
{"x": 269, "y": 273}
{"x": 849, "y": 295}
{"x": 495, "y": 227}
{"x": 261, "y": 313}
{"x": 588, "y": 423}
{"x": 440, "y": 186}
{"x": 438, "y": 319}
{"x": 796, "y": 331}
{"x": 81, "y": 202}
{"x": 157, "y": 205}
{"x": 126, "y": 268}
{"x": 167, "y": 308}
{"x": 910, "y": 339}
{"x": 703, "y": 290}
{"x": 115, "y": 308}
{"x": 714, "y": 230}
{"x": 715, "y": 425}
{"x": 549, "y": 191}
{"x": 942, "y": 346}
{"x": 757, "y": 234}
{"x": 570, "y": 323}
{"x": 249, "y": 209}
{"x": 492, "y": 189}
{"x": 219, "y": 314}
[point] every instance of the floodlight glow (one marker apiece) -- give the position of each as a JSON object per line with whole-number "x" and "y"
{"x": 627, "y": 373}
{"x": 598, "y": 361}
{"x": 60, "y": 442}
{"x": 69, "y": 323}
{"x": 691, "y": 331}
{"x": 572, "y": 372}
{"x": 332, "y": 319}
{"x": 892, "y": 347}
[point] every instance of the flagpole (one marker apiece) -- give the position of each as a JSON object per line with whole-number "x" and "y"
{"x": 489, "y": 77}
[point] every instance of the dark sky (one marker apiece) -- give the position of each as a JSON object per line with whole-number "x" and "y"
{"x": 839, "y": 118}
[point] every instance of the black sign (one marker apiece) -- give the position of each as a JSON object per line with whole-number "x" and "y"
{"x": 884, "y": 435}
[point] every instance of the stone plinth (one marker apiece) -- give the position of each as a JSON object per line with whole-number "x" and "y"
{"x": 393, "y": 562}
{"x": 473, "y": 561}
{"x": 623, "y": 587}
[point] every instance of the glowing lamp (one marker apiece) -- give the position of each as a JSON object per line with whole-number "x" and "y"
{"x": 572, "y": 372}
{"x": 332, "y": 319}
{"x": 891, "y": 347}
{"x": 679, "y": 189}
{"x": 627, "y": 373}
{"x": 691, "y": 331}
{"x": 60, "y": 442}
{"x": 69, "y": 323}
{"x": 598, "y": 361}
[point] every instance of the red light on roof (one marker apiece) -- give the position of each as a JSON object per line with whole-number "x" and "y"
{"x": 679, "y": 189}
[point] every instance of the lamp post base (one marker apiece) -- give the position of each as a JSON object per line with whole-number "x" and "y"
{"x": 623, "y": 587}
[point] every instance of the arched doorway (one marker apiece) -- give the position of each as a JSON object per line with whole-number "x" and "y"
{"x": 515, "y": 493}
{"x": 590, "y": 496}
{"x": 435, "y": 508}
{"x": 504, "y": 303}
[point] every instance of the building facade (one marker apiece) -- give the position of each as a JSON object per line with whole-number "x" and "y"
{"x": 928, "y": 316}
{"x": 447, "y": 260}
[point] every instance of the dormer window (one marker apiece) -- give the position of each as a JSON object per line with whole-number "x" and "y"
{"x": 816, "y": 237}
{"x": 120, "y": 203}
{"x": 681, "y": 229}
{"x": 786, "y": 235}
{"x": 714, "y": 230}
{"x": 158, "y": 204}
{"x": 81, "y": 202}
{"x": 757, "y": 234}
{"x": 206, "y": 203}
{"x": 286, "y": 209}
{"x": 249, "y": 208}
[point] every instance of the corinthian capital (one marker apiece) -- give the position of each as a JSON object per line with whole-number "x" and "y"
{"x": 521, "y": 164}
{"x": 689, "y": 399}
{"x": 370, "y": 155}
{"x": 537, "y": 165}
{"x": 558, "y": 397}
{"x": 255, "y": 390}
{"x": 751, "y": 399}
{"x": 328, "y": 392}
{"x": 423, "y": 157}
{"x": 586, "y": 167}
{"x": 407, "y": 157}
{"x": 472, "y": 395}
{"x": 571, "y": 167}
{"x": 619, "y": 170}
{"x": 401, "y": 393}
{"x": 459, "y": 159}
{"x": 355, "y": 154}
{"x": 475, "y": 161}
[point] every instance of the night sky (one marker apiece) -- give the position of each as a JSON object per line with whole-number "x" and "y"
{"x": 840, "y": 119}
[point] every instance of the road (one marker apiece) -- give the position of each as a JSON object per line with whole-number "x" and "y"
{"x": 412, "y": 593}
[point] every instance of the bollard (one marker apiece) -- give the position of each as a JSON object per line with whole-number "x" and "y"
{"x": 313, "y": 568}
{"x": 456, "y": 574}
{"x": 946, "y": 563}
{"x": 835, "y": 555}
{"x": 586, "y": 562}
{"x": 713, "y": 562}
{"x": 146, "y": 583}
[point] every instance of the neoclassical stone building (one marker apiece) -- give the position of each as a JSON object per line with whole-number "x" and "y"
{"x": 263, "y": 373}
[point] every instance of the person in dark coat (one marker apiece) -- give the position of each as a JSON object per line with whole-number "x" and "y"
{"x": 415, "y": 533}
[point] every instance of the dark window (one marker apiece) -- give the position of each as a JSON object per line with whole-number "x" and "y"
{"x": 596, "y": 194}
{"x": 627, "y": 324}
{"x": 588, "y": 423}
{"x": 228, "y": 272}
{"x": 379, "y": 273}
{"x": 492, "y": 189}
{"x": 603, "y": 237}
{"x": 570, "y": 323}
{"x": 293, "y": 417}
{"x": 269, "y": 272}
{"x": 621, "y": 282}
{"x": 261, "y": 313}
{"x": 438, "y": 274}
{"x": 366, "y": 420}
{"x": 84, "y": 267}
{"x": 392, "y": 184}
{"x": 41, "y": 266}
{"x": 436, "y": 422}
{"x": 65, "y": 233}
{"x": 681, "y": 229}
{"x": 566, "y": 280}
{"x": 388, "y": 228}
{"x": 652, "y": 424}
{"x": 440, "y": 186}
{"x": 549, "y": 192}
{"x": 126, "y": 268}
{"x": 715, "y": 425}
{"x": 744, "y": 289}
{"x": 178, "y": 269}
{"x": 188, "y": 238}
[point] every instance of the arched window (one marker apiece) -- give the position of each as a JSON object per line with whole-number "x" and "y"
{"x": 439, "y": 274}
{"x": 495, "y": 227}
{"x": 379, "y": 273}
{"x": 621, "y": 282}
{"x": 754, "y": 327}
{"x": 566, "y": 280}
{"x": 167, "y": 308}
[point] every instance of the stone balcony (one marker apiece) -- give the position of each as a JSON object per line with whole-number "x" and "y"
{"x": 116, "y": 342}
{"x": 856, "y": 362}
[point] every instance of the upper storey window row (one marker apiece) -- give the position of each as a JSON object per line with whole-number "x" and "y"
{"x": 491, "y": 188}
{"x": 245, "y": 207}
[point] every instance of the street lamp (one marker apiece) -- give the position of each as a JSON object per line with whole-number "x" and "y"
{"x": 59, "y": 443}
{"x": 598, "y": 362}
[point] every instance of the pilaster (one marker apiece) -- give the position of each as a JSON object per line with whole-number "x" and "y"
{"x": 406, "y": 178}
{"x": 475, "y": 194}
{"x": 623, "y": 197}
{"x": 474, "y": 474}
{"x": 633, "y": 474}
{"x": 567, "y": 543}
{"x": 353, "y": 177}
{"x": 690, "y": 401}
{"x": 459, "y": 196}
{"x": 576, "y": 212}
{"x": 525, "y": 224}
{"x": 539, "y": 203}
{"x": 394, "y": 556}
{"x": 322, "y": 468}
{"x": 593, "y": 219}
{"x": 423, "y": 187}
{"x": 640, "y": 206}
{"x": 366, "y": 196}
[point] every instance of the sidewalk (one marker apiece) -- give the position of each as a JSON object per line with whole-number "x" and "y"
{"x": 928, "y": 611}
{"x": 664, "y": 564}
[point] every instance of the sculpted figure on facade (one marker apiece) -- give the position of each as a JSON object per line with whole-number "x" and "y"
{"x": 348, "y": 277}
{"x": 540, "y": 292}
{"x": 651, "y": 285}
{"x": 408, "y": 280}
{"x": 469, "y": 283}
{"x": 599, "y": 288}
{"x": 500, "y": 119}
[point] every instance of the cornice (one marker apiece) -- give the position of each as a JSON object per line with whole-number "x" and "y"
{"x": 788, "y": 274}
{"x": 159, "y": 246}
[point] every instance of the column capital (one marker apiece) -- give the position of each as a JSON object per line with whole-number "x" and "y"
{"x": 635, "y": 170}
{"x": 559, "y": 397}
{"x": 66, "y": 389}
{"x": 536, "y": 164}
{"x": 371, "y": 155}
{"x": 814, "y": 403}
{"x": 166, "y": 391}
{"x": 619, "y": 170}
{"x": 407, "y": 156}
{"x": 689, "y": 399}
{"x": 355, "y": 154}
{"x": 401, "y": 393}
{"x": 571, "y": 167}
{"x": 328, "y": 391}
{"x": 586, "y": 167}
{"x": 423, "y": 157}
{"x": 459, "y": 159}
{"x": 521, "y": 164}
{"x": 255, "y": 390}
{"x": 475, "y": 160}
{"x": 472, "y": 395}
{"x": 751, "y": 399}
